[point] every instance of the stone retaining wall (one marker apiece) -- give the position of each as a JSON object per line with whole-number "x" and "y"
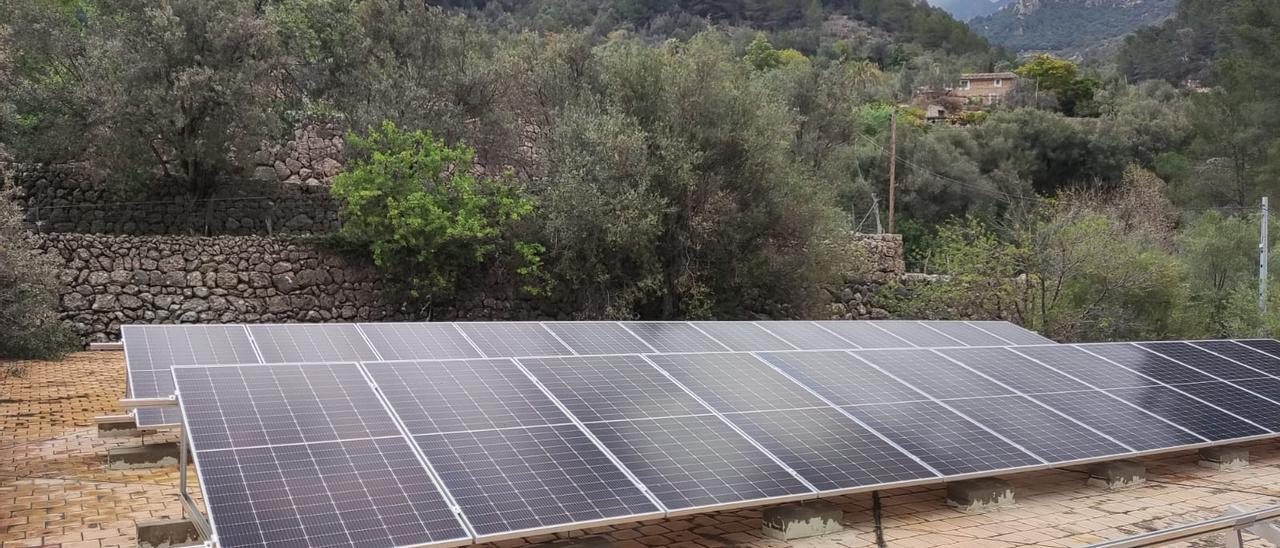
{"x": 113, "y": 280}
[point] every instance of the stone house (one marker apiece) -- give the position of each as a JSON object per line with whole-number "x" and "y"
{"x": 986, "y": 88}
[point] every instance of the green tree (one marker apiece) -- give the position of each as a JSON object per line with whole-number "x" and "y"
{"x": 29, "y": 285}
{"x": 761, "y": 53}
{"x": 427, "y": 223}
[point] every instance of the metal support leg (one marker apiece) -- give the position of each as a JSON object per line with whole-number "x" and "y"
{"x": 189, "y": 505}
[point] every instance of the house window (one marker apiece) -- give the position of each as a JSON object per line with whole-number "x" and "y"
{"x": 999, "y": 82}
{"x": 964, "y": 84}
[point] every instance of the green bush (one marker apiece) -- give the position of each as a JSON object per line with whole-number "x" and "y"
{"x": 29, "y": 323}
{"x": 428, "y": 224}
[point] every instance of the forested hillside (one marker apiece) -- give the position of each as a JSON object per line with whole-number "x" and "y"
{"x": 685, "y": 159}
{"x": 1068, "y": 27}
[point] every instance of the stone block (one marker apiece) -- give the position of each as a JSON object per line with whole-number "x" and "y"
{"x": 1117, "y": 474}
{"x": 167, "y": 533}
{"x": 156, "y": 455}
{"x": 116, "y": 426}
{"x": 106, "y": 347}
{"x": 801, "y": 520}
{"x": 980, "y": 494}
{"x": 1224, "y": 457}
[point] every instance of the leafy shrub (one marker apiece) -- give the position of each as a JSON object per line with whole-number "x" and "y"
{"x": 29, "y": 324}
{"x": 429, "y": 225}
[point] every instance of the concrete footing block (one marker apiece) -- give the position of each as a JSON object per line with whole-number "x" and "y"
{"x": 980, "y": 494}
{"x": 1224, "y": 457}
{"x": 117, "y": 426}
{"x": 1117, "y": 474}
{"x": 156, "y": 455}
{"x": 801, "y": 520}
{"x": 167, "y": 533}
{"x": 106, "y": 347}
{"x": 593, "y": 541}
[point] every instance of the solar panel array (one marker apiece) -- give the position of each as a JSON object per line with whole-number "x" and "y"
{"x": 487, "y": 448}
{"x": 151, "y": 350}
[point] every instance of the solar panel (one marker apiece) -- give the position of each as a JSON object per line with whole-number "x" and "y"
{"x": 1203, "y": 361}
{"x": 1013, "y": 333}
{"x": 1126, "y": 423}
{"x": 511, "y": 339}
{"x": 588, "y": 338}
{"x": 807, "y": 335}
{"x": 307, "y": 455}
{"x": 368, "y": 492}
{"x": 1259, "y": 410}
{"x": 1147, "y": 363}
{"x": 418, "y": 341}
{"x": 736, "y": 382}
{"x": 932, "y": 373}
{"x": 1046, "y": 434}
{"x": 603, "y": 388}
{"x": 1251, "y": 357}
{"x": 246, "y": 406}
{"x": 918, "y": 334}
{"x": 966, "y": 333}
{"x": 457, "y": 395}
{"x": 1084, "y": 366}
{"x": 674, "y": 337}
{"x": 865, "y": 334}
{"x": 743, "y": 336}
{"x": 510, "y": 482}
{"x": 299, "y": 343}
{"x": 842, "y": 378}
{"x": 160, "y": 347}
{"x": 1270, "y": 346}
{"x": 696, "y": 462}
{"x": 1194, "y": 415}
{"x": 948, "y": 442}
{"x": 1014, "y": 370}
{"x": 828, "y": 449}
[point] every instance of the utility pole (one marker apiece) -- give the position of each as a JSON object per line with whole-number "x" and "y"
{"x": 1263, "y": 249}
{"x": 893, "y": 161}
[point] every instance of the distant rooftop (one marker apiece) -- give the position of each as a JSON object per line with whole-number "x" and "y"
{"x": 987, "y": 75}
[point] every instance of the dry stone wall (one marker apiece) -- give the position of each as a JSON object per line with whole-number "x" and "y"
{"x": 112, "y": 280}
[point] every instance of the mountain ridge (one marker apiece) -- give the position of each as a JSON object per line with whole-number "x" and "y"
{"x": 1069, "y": 28}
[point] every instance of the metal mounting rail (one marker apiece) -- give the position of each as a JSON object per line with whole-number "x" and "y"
{"x": 1234, "y": 522}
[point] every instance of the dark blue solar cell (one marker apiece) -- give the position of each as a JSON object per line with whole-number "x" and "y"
{"x": 1270, "y": 346}
{"x": 1086, "y": 367}
{"x": 370, "y": 492}
{"x": 1013, "y": 333}
{"x": 245, "y": 406}
{"x": 1147, "y": 363}
{"x": 595, "y": 338}
{"x": 1126, "y": 423}
{"x": 674, "y": 337}
{"x": 1194, "y": 415}
{"x": 602, "y": 388}
{"x": 743, "y": 336}
{"x": 736, "y": 382}
{"x": 1205, "y": 362}
{"x": 1251, "y": 357}
{"x": 1045, "y": 433}
{"x": 966, "y": 333}
{"x": 865, "y": 334}
{"x": 694, "y": 462}
{"x": 919, "y": 334}
{"x": 449, "y": 396}
{"x": 1242, "y": 403}
{"x": 842, "y": 378}
{"x": 931, "y": 372}
{"x": 510, "y": 339}
{"x": 418, "y": 341}
{"x": 522, "y": 479}
{"x": 1015, "y": 370}
{"x": 828, "y": 449}
{"x": 948, "y": 442}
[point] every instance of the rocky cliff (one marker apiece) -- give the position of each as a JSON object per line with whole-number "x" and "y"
{"x": 1069, "y": 27}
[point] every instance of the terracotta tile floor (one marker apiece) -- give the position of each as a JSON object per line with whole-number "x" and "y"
{"x": 55, "y": 489}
